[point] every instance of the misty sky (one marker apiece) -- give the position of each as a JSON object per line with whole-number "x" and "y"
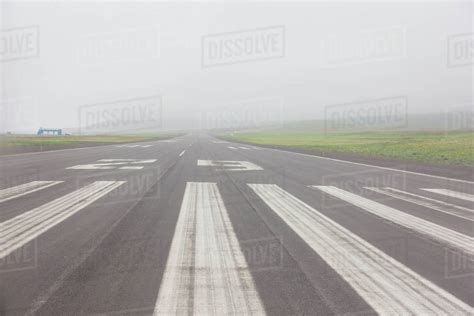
{"x": 321, "y": 56}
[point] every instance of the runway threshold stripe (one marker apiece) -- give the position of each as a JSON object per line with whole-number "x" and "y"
{"x": 17, "y": 231}
{"x": 433, "y": 200}
{"x": 23, "y": 189}
{"x": 433, "y": 204}
{"x": 432, "y": 230}
{"x": 453, "y": 194}
{"x": 206, "y": 272}
{"x": 388, "y": 286}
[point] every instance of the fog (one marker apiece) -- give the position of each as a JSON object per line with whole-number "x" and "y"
{"x": 199, "y": 64}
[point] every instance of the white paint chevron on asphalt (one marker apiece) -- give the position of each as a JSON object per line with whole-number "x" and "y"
{"x": 433, "y": 204}
{"x": 23, "y": 189}
{"x": 388, "y": 286}
{"x": 419, "y": 225}
{"x": 453, "y": 194}
{"x": 25, "y": 227}
{"x": 206, "y": 272}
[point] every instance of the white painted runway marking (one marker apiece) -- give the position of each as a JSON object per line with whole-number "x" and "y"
{"x": 206, "y": 272}
{"x": 388, "y": 286}
{"x": 141, "y": 161}
{"x": 426, "y": 202}
{"x": 244, "y": 148}
{"x": 230, "y": 165}
{"x": 23, "y": 189}
{"x": 419, "y": 225}
{"x": 182, "y": 153}
{"x": 25, "y": 227}
{"x": 107, "y": 164}
{"x": 430, "y": 199}
{"x": 453, "y": 194}
{"x": 230, "y": 147}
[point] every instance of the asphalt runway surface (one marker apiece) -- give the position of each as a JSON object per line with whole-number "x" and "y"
{"x": 198, "y": 225}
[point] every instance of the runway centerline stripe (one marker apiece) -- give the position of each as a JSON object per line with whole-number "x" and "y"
{"x": 182, "y": 153}
{"x": 206, "y": 272}
{"x": 419, "y": 225}
{"x": 23, "y": 189}
{"x": 17, "y": 231}
{"x": 388, "y": 286}
{"x": 453, "y": 194}
{"x": 433, "y": 204}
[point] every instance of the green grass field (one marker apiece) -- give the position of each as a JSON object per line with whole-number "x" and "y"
{"x": 452, "y": 148}
{"x": 32, "y": 140}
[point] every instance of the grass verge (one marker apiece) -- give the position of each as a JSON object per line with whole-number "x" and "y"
{"x": 7, "y": 141}
{"x": 439, "y": 147}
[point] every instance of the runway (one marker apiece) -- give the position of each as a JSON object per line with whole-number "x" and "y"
{"x": 199, "y": 225}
